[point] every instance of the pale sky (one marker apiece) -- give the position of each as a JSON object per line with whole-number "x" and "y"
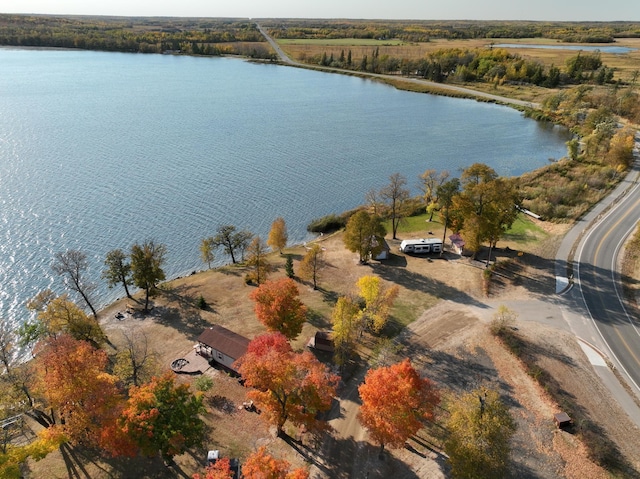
{"x": 552, "y": 10}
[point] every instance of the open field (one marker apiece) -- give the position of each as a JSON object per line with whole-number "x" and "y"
{"x": 625, "y": 65}
{"x": 360, "y": 42}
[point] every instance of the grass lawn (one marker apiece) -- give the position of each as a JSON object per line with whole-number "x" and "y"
{"x": 524, "y": 230}
{"x": 417, "y": 224}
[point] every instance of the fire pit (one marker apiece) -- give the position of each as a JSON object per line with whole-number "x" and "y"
{"x": 178, "y": 364}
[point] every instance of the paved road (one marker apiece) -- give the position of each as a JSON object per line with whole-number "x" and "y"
{"x": 443, "y": 86}
{"x": 598, "y": 280}
{"x": 592, "y": 300}
{"x": 282, "y": 55}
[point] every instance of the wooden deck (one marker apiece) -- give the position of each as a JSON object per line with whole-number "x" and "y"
{"x": 193, "y": 364}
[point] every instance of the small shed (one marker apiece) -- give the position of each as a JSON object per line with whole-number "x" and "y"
{"x": 222, "y": 345}
{"x": 384, "y": 252}
{"x": 457, "y": 243}
{"x": 562, "y": 420}
{"x": 322, "y": 341}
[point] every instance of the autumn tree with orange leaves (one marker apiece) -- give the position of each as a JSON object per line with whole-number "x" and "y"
{"x": 261, "y": 465}
{"x": 277, "y": 307}
{"x": 221, "y": 469}
{"x": 395, "y": 402}
{"x": 287, "y": 386}
{"x": 163, "y": 417}
{"x": 73, "y": 379}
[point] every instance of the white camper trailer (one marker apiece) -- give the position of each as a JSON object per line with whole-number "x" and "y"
{"x": 421, "y": 246}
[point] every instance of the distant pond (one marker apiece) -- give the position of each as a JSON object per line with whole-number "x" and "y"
{"x": 586, "y": 48}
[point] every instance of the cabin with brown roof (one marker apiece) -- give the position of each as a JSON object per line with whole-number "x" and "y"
{"x": 222, "y": 346}
{"x": 322, "y": 341}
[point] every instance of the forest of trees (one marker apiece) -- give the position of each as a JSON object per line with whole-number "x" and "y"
{"x": 424, "y": 30}
{"x": 486, "y": 65}
{"x": 204, "y": 36}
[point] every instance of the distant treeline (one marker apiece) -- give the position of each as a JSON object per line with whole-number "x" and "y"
{"x": 490, "y": 65}
{"x": 423, "y": 31}
{"x": 146, "y": 35}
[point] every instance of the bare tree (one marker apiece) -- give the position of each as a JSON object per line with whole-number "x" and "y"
{"x": 72, "y": 265}
{"x": 243, "y": 241}
{"x": 135, "y": 362}
{"x": 396, "y": 195}
{"x": 372, "y": 198}
{"x": 7, "y": 340}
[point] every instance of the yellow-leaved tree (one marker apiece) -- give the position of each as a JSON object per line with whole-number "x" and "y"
{"x": 480, "y": 428}
{"x": 278, "y": 236}
{"x": 621, "y": 148}
{"x": 346, "y": 327}
{"x": 378, "y": 301}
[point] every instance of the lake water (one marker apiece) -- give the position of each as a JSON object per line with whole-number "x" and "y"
{"x": 586, "y": 48}
{"x": 101, "y": 150}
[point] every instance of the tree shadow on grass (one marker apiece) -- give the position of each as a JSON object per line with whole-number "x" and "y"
{"x": 184, "y": 294}
{"x": 328, "y": 296}
{"x": 75, "y": 467}
{"x": 77, "y": 460}
{"x": 184, "y": 319}
{"x": 417, "y": 282}
{"x": 350, "y": 459}
{"x": 318, "y": 320}
{"x": 535, "y": 273}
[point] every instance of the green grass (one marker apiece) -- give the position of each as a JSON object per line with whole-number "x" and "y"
{"x": 340, "y": 41}
{"x": 523, "y": 231}
{"x": 406, "y": 311}
{"x": 419, "y": 223}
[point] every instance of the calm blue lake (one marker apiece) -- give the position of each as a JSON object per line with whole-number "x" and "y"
{"x": 100, "y": 150}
